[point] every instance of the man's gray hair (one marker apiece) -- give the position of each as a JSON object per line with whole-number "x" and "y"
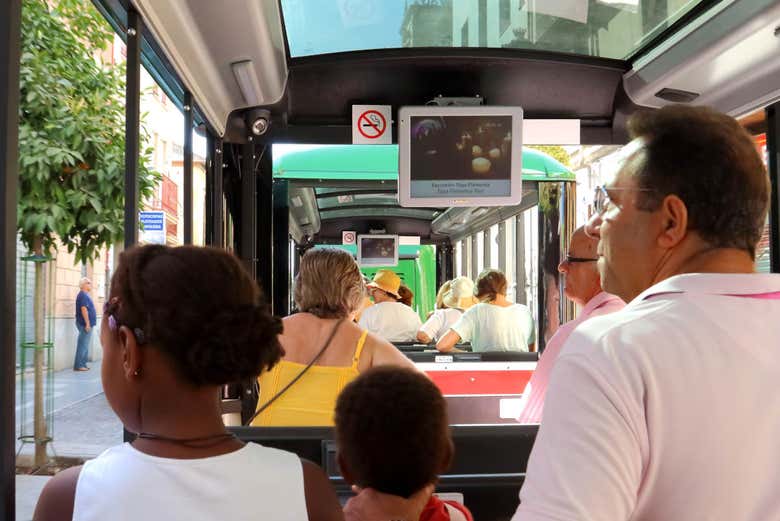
{"x": 83, "y": 281}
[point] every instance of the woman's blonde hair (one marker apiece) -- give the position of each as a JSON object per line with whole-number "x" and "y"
{"x": 490, "y": 283}
{"x": 329, "y": 283}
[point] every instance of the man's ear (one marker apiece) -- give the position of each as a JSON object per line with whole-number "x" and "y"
{"x": 132, "y": 356}
{"x": 346, "y": 472}
{"x": 674, "y": 220}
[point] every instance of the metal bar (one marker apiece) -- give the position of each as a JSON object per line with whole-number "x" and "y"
{"x": 502, "y": 246}
{"x": 208, "y": 201}
{"x": 218, "y": 195}
{"x": 280, "y": 301}
{"x": 248, "y": 221}
{"x": 264, "y": 222}
{"x": 541, "y": 301}
{"x": 464, "y": 257}
{"x": 132, "y": 134}
{"x": 474, "y": 267}
{"x": 444, "y": 263}
{"x": 187, "y": 167}
{"x": 486, "y": 260}
{"x": 773, "y": 151}
{"x": 132, "y": 125}
{"x": 519, "y": 256}
{"x": 10, "y": 23}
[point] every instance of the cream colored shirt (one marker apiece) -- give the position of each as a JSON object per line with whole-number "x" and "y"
{"x": 496, "y": 328}
{"x": 393, "y": 321}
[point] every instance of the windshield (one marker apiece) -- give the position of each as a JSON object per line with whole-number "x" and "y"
{"x": 602, "y": 28}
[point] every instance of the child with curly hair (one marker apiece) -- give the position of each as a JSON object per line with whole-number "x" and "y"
{"x": 393, "y": 436}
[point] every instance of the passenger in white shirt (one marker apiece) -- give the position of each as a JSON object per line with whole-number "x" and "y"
{"x": 495, "y": 324}
{"x": 456, "y": 297}
{"x": 668, "y": 408}
{"x": 389, "y": 318}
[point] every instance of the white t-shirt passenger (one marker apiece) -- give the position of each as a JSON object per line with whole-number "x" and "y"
{"x": 254, "y": 482}
{"x": 393, "y": 321}
{"x": 495, "y": 328}
{"x": 440, "y": 322}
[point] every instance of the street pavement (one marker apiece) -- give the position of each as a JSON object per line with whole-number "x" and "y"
{"x": 83, "y": 426}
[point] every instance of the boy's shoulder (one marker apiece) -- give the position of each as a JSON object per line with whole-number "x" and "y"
{"x": 445, "y": 510}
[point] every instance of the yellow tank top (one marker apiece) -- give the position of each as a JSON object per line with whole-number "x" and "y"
{"x": 311, "y": 400}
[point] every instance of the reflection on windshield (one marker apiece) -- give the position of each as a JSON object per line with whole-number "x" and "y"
{"x": 606, "y": 28}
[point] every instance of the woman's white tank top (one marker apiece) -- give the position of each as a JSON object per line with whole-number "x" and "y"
{"x": 255, "y": 482}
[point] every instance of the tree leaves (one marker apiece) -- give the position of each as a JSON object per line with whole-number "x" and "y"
{"x": 71, "y": 132}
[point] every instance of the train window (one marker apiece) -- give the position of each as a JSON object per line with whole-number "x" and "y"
{"x": 611, "y": 29}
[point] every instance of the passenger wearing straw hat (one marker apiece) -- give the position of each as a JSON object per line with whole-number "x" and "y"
{"x": 389, "y": 318}
{"x": 458, "y": 297}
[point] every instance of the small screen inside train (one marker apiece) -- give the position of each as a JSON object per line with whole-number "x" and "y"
{"x": 377, "y": 250}
{"x": 460, "y": 156}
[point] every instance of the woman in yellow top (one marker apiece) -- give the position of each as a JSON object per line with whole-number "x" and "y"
{"x": 328, "y": 291}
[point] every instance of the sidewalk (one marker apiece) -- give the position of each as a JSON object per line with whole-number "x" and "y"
{"x": 84, "y": 426}
{"x": 83, "y": 423}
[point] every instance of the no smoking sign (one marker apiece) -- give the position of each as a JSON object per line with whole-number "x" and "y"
{"x": 371, "y": 124}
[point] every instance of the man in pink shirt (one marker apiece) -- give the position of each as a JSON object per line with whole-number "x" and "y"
{"x": 582, "y": 286}
{"x": 668, "y": 409}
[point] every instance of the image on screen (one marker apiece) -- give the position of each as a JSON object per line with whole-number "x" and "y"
{"x": 378, "y": 251}
{"x": 460, "y": 155}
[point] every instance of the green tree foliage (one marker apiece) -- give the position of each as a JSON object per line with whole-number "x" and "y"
{"x": 71, "y": 131}
{"x": 557, "y": 152}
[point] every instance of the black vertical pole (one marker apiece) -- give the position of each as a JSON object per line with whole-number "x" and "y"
{"x": 187, "y": 168}
{"x": 281, "y": 249}
{"x": 541, "y": 293}
{"x": 264, "y": 221}
{"x": 219, "y": 195}
{"x": 132, "y": 133}
{"x": 248, "y": 208}
{"x": 132, "y": 125}
{"x": 444, "y": 263}
{"x": 10, "y": 22}
{"x": 208, "y": 201}
{"x": 773, "y": 151}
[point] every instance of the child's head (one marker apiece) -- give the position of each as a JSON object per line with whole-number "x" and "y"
{"x": 392, "y": 431}
{"x": 182, "y": 320}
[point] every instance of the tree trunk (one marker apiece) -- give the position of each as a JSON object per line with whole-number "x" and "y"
{"x": 38, "y": 359}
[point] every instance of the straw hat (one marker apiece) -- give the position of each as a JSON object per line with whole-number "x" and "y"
{"x": 461, "y": 294}
{"x": 387, "y": 281}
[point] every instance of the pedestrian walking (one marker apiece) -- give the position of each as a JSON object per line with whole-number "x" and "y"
{"x": 86, "y": 318}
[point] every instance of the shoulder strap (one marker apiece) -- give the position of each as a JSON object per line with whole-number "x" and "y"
{"x": 298, "y": 376}
{"x": 359, "y": 349}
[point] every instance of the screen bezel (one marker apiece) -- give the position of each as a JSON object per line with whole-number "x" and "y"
{"x": 405, "y": 197}
{"x": 373, "y": 264}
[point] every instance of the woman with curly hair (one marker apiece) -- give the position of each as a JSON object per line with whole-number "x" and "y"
{"x": 180, "y": 323}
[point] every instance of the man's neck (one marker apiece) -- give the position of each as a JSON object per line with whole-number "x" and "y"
{"x": 702, "y": 258}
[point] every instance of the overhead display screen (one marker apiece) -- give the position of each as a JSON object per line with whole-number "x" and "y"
{"x": 377, "y": 250}
{"x": 460, "y": 156}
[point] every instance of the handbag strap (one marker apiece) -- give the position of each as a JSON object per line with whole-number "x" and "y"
{"x": 298, "y": 376}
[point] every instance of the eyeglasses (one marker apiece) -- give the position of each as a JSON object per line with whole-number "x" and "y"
{"x": 602, "y": 201}
{"x": 571, "y": 260}
{"x": 110, "y": 308}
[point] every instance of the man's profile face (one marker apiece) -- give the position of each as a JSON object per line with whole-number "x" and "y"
{"x": 627, "y": 250}
{"x": 581, "y": 275}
